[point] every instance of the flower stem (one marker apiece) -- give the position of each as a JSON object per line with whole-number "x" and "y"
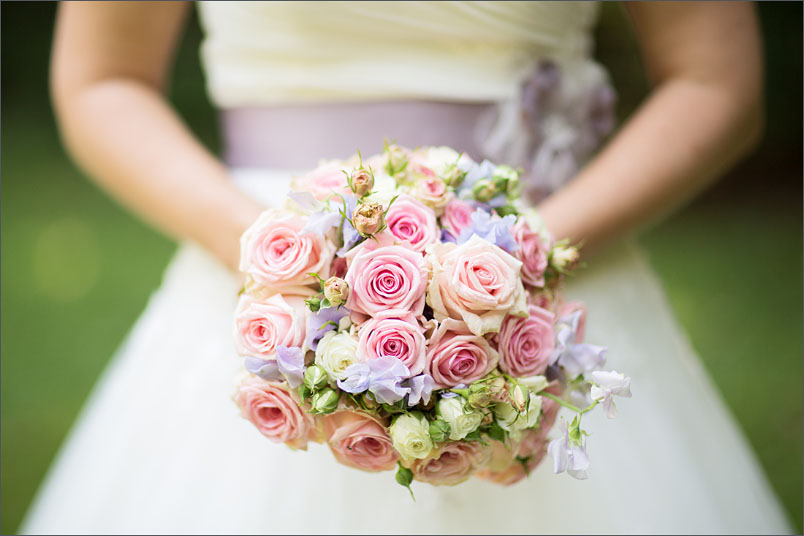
{"x": 569, "y": 406}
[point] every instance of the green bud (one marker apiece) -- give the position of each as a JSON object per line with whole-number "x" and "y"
{"x": 479, "y": 395}
{"x": 483, "y": 190}
{"x": 454, "y": 176}
{"x": 325, "y": 400}
{"x": 404, "y": 477}
{"x": 315, "y": 378}
{"x": 575, "y": 432}
{"x": 506, "y": 173}
{"x": 314, "y": 304}
{"x": 439, "y": 430}
{"x": 304, "y": 392}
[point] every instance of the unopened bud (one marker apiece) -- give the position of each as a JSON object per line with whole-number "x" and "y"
{"x": 519, "y": 397}
{"x": 564, "y": 258}
{"x": 454, "y": 176}
{"x": 362, "y": 182}
{"x": 325, "y": 400}
{"x": 483, "y": 190}
{"x": 368, "y": 218}
{"x": 315, "y": 378}
{"x": 439, "y": 430}
{"x": 336, "y": 290}
{"x": 479, "y": 395}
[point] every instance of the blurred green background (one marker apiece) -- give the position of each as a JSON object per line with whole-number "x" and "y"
{"x": 77, "y": 269}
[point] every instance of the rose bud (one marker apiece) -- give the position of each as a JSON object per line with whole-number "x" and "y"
{"x": 362, "y": 182}
{"x": 479, "y": 395}
{"x": 368, "y": 218}
{"x": 336, "y": 290}
{"x": 519, "y": 397}
{"x": 483, "y": 190}
{"x": 439, "y": 430}
{"x": 564, "y": 258}
{"x": 454, "y": 176}
{"x": 325, "y": 400}
{"x": 315, "y": 378}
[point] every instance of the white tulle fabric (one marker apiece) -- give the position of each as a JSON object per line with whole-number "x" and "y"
{"x": 160, "y": 447}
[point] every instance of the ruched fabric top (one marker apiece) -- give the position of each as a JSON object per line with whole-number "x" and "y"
{"x": 264, "y": 53}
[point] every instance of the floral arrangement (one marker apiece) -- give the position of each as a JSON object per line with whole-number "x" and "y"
{"x": 406, "y": 310}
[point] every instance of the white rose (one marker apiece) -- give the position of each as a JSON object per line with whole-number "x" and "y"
{"x": 462, "y": 421}
{"x": 410, "y": 434}
{"x": 440, "y": 158}
{"x": 335, "y": 352}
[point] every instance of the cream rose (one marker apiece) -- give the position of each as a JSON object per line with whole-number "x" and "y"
{"x": 410, "y": 433}
{"x": 461, "y": 419}
{"x": 335, "y": 352}
{"x": 476, "y": 282}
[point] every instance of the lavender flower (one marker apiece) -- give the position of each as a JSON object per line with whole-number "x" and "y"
{"x": 385, "y": 377}
{"x": 350, "y": 234}
{"x": 576, "y": 358}
{"x": 322, "y": 321}
{"x": 569, "y": 453}
{"x": 495, "y": 231}
{"x": 607, "y": 384}
{"x": 267, "y": 370}
{"x": 321, "y": 222}
{"x": 290, "y": 361}
{"x": 421, "y": 387}
{"x": 357, "y": 378}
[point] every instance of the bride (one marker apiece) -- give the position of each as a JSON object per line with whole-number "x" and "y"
{"x": 160, "y": 448}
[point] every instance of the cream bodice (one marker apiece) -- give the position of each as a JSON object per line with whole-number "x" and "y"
{"x": 258, "y": 53}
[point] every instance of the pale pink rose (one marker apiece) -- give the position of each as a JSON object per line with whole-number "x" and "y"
{"x": 277, "y": 253}
{"x": 566, "y": 309}
{"x": 532, "y": 447}
{"x": 532, "y": 252}
{"x": 456, "y": 217}
{"x": 456, "y": 355}
{"x": 360, "y": 440}
{"x": 526, "y": 344}
{"x": 276, "y": 414}
{"x": 476, "y": 282}
{"x": 261, "y": 326}
{"x": 386, "y": 278}
{"x": 541, "y": 299}
{"x": 410, "y": 220}
{"x": 431, "y": 189}
{"x": 323, "y": 181}
{"x": 393, "y": 335}
{"x": 451, "y": 463}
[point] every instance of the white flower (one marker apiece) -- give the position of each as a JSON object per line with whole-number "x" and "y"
{"x": 576, "y": 358}
{"x": 335, "y": 352}
{"x": 441, "y": 158}
{"x": 569, "y": 455}
{"x": 410, "y": 433}
{"x": 462, "y": 420}
{"x": 607, "y": 384}
{"x": 513, "y": 421}
{"x": 384, "y": 189}
{"x": 534, "y": 383}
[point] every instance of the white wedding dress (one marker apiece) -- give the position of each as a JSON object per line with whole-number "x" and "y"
{"x": 160, "y": 448}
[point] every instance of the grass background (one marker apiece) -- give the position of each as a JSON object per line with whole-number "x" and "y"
{"x": 77, "y": 269}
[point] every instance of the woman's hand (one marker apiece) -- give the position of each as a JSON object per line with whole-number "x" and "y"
{"x": 704, "y": 113}
{"x": 109, "y": 69}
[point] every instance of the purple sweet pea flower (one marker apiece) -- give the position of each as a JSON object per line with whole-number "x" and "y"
{"x": 290, "y": 361}
{"x": 385, "y": 377}
{"x": 495, "y": 231}
{"x": 321, "y": 222}
{"x": 575, "y": 358}
{"x": 267, "y": 370}
{"x": 474, "y": 172}
{"x": 350, "y": 234}
{"x": 568, "y": 455}
{"x": 421, "y": 387}
{"x": 305, "y": 200}
{"x": 358, "y": 378}
{"x": 318, "y": 324}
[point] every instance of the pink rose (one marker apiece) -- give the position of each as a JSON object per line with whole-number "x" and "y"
{"x": 261, "y": 326}
{"x": 360, "y": 440}
{"x": 451, "y": 463}
{"x": 526, "y": 344}
{"x": 338, "y": 267}
{"x": 277, "y": 253}
{"x": 393, "y": 335}
{"x": 410, "y": 220}
{"x": 323, "y": 181}
{"x": 567, "y": 309}
{"x": 386, "y": 278}
{"x": 431, "y": 190}
{"x": 477, "y": 282}
{"x": 276, "y": 414}
{"x": 532, "y": 252}
{"x": 456, "y": 217}
{"x": 507, "y": 470}
{"x": 456, "y": 355}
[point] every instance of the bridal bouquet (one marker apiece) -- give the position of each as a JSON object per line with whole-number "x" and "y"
{"x": 406, "y": 310}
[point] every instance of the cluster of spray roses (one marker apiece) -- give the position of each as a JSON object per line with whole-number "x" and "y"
{"x": 405, "y": 310}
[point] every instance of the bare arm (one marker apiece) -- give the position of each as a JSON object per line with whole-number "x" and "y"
{"x": 108, "y": 72}
{"x": 704, "y": 113}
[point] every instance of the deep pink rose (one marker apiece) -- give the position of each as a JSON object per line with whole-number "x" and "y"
{"x": 386, "y": 278}
{"x": 410, "y": 220}
{"x": 323, "y": 181}
{"x": 338, "y": 268}
{"x": 360, "y": 440}
{"x": 451, "y": 463}
{"x": 278, "y": 254}
{"x": 526, "y": 344}
{"x": 476, "y": 282}
{"x": 276, "y": 414}
{"x": 456, "y": 217}
{"x": 456, "y": 355}
{"x": 261, "y": 326}
{"x": 393, "y": 335}
{"x": 532, "y": 252}
{"x": 567, "y": 309}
